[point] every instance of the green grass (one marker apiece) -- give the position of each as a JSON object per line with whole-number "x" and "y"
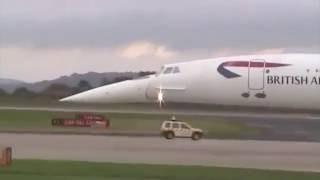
{"x": 19, "y": 120}
{"x": 59, "y": 170}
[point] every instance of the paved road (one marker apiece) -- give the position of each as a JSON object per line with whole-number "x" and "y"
{"x": 298, "y": 156}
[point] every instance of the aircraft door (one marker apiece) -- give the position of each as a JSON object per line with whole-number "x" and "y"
{"x": 256, "y": 78}
{"x": 256, "y": 74}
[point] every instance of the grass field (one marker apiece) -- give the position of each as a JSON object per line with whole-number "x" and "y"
{"x": 60, "y": 170}
{"x": 19, "y": 120}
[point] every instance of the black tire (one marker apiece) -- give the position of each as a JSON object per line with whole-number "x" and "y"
{"x": 196, "y": 136}
{"x": 169, "y": 135}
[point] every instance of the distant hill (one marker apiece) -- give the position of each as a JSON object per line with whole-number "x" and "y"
{"x": 95, "y": 80}
{"x": 10, "y": 85}
{"x": 10, "y": 81}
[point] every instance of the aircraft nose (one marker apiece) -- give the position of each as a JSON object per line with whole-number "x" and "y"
{"x": 132, "y": 91}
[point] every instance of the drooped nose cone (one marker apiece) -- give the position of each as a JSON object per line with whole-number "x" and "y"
{"x": 132, "y": 91}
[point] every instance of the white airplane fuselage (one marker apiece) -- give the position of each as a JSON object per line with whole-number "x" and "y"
{"x": 284, "y": 80}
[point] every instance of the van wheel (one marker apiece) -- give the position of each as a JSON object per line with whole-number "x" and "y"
{"x": 196, "y": 136}
{"x": 169, "y": 135}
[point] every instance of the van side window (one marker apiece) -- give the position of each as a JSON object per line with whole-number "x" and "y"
{"x": 175, "y": 125}
{"x": 183, "y": 126}
{"x": 167, "y": 125}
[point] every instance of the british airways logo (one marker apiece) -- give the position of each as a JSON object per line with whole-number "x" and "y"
{"x": 224, "y": 71}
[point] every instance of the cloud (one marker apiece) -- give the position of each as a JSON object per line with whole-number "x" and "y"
{"x": 235, "y": 24}
{"x": 32, "y": 64}
{"x": 145, "y": 49}
{"x": 43, "y": 39}
{"x": 271, "y": 51}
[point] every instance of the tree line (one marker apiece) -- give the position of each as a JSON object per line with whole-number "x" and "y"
{"x": 57, "y": 91}
{"x": 54, "y": 91}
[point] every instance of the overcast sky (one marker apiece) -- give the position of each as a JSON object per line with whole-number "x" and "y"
{"x": 44, "y": 39}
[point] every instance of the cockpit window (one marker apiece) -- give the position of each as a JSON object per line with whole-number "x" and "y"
{"x": 176, "y": 69}
{"x": 160, "y": 71}
{"x": 168, "y": 70}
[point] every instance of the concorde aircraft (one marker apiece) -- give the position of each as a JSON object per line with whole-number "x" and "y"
{"x": 279, "y": 80}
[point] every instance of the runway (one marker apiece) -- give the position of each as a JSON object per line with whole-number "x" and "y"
{"x": 295, "y": 156}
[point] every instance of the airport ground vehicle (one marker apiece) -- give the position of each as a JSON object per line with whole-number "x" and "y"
{"x": 172, "y": 129}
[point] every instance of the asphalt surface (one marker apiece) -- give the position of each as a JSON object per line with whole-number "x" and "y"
{"x": 285, "y": 129}
{"x": 295, "y": 156}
